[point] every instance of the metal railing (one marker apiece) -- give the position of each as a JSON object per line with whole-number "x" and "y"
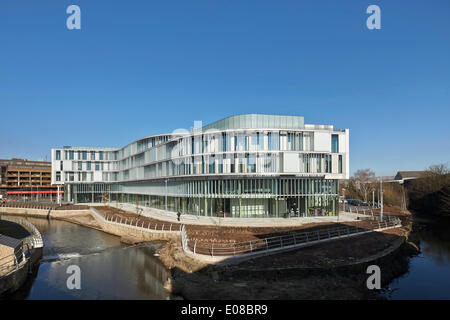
{"x": 35, "y": 239}
{"x": 139, "y": 223}
{"x": 8, "y": 264}
{"x": 13, "y": 261}
{"x": 366, "y": 210}
{"x": 293, "y": 239}
{"x": 28, "y": 205}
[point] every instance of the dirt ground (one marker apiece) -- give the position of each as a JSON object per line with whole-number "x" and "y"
{"x": 224, "y": 235}
{"x": 326, "y": 271}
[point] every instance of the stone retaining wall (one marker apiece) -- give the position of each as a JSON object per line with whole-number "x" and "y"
{"x": 16, "y": 279}
{"x": 131, "y": 231}
{"x": 42, "y": 213}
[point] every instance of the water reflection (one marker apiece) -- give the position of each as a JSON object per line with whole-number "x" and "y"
{"x": 428, "y": 276}
{"x": 109, "y": 269}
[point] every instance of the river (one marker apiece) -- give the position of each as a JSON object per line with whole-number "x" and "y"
{"x": 428, "y": 275}
{"x": 109, "y": 269}
{"x": 112, "y": 270}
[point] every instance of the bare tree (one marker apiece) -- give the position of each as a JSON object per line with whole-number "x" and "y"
{"x": 431, "y": 193}
{"x": 364, "y": 179}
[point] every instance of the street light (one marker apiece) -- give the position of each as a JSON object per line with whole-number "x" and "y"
{"x": 343, "y": 203}
{"x": 166, "y": 195}
{"x": 381, "y": 196}
{"x": 373, "y": 197}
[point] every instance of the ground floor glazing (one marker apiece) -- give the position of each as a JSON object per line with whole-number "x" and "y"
{"x": 322, "y": 199}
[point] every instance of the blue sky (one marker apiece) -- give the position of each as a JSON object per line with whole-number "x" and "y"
{"x": 138, "y": 68}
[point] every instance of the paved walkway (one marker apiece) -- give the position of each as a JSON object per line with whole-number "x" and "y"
{"x": 232, "y": 222}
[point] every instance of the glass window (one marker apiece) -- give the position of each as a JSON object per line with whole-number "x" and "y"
{"x": 80, "y": 165}
{"x": 100, "y": 155}
{"x": 340, "y": 163}
{"x": 334, "y": 143}
{"x": 92, "y": 155}
{"x": 70, "y": 155}
{"x": 88, "y": 165}
{"x": 58, "y": 155}
{"x": 224, "y": 142}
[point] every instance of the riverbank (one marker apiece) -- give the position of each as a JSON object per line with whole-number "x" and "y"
{"x": 308, "y": 273}
{"x": 16, "y": 269}
{"x": 335, "y": 270}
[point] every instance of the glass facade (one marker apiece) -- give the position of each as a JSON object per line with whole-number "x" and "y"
{"x": 235, "y": 167}
{"x": 227, "y": 197}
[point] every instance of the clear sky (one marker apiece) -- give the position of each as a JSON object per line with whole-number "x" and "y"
{"x": 139, "y": 67}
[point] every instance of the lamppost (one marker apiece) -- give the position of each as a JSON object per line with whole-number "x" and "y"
{"x": 166, "y": 195}
{"x": 343, "y": 203}
{"x": 373, "y": 197}
{"x": 381, "y": 196}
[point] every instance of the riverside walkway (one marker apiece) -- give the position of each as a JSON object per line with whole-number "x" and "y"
{"x": 188, "y": 219}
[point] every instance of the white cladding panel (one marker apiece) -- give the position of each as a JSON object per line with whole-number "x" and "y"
{"x": 97, "y": 176}
{"x": 322, "y": 141}
{"x": 342, "y": 143}
{"x": 291, "y": 162}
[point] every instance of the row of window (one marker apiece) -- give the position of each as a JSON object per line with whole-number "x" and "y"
{"x": 231, "y": 164}
{"x": 83, "y": 155}
{"x": 85, "y": 166}
{"x": 225, "y": 187}
{"x": 207, "y": 143}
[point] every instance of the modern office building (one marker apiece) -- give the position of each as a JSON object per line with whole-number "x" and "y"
{"x": 249, "y": 165}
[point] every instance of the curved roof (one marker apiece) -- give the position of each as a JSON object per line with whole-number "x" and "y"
{"x": 257, "y": 121}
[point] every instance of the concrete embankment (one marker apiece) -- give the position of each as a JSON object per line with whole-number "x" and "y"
{"x": 16, "y": 279}
{"x": 42, "y": 213}
{"x": 128, "y": 233}
{"x": 132, "y": 233}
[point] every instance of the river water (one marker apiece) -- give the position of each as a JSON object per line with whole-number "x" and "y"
{"x": 112, "y": 270}
{"x": 428, "y": 275}
{"x": 109, "y": 269}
